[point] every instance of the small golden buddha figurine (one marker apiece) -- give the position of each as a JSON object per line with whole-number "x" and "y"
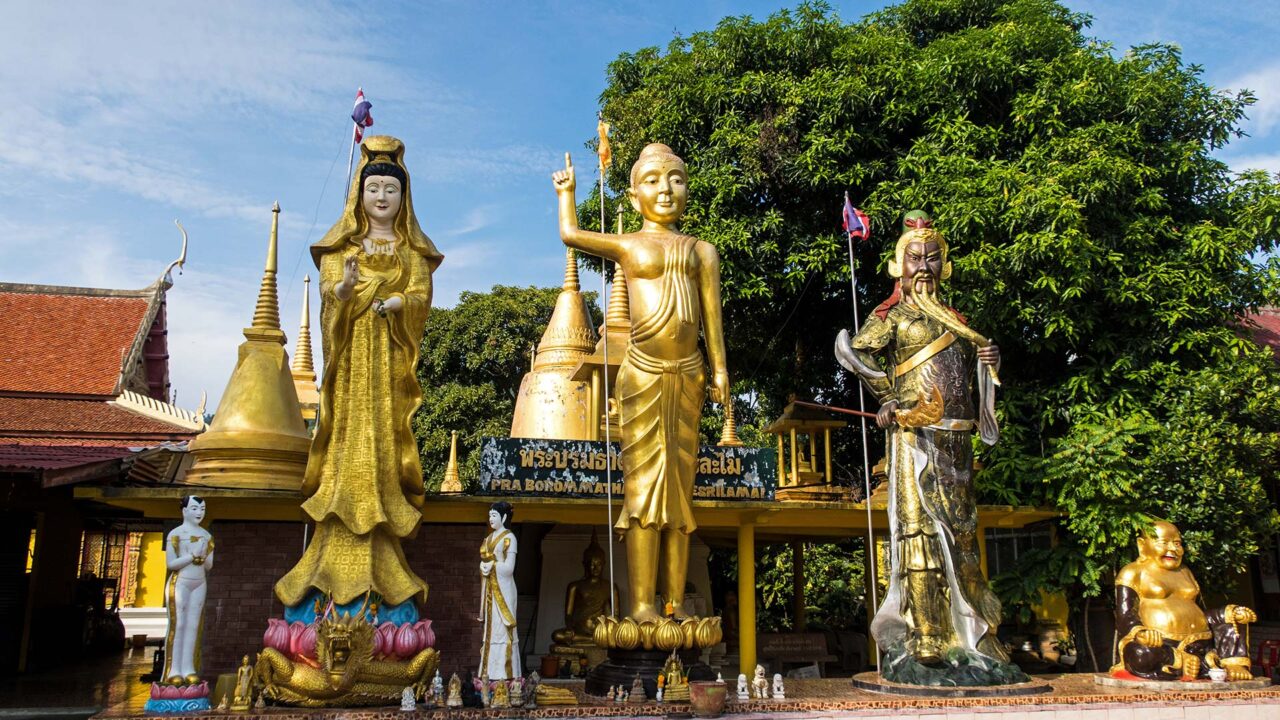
{"x": 454, "y": 698}
{"x": 585, "y": 600}
{"x": 501, "y": 695}
{"x": 673, "y": 282}
{"x": 242, "y": 701}
{"x": 546, "y": 695}
{"x": 675, "y": 686}
{"x": 1164, "y": 633}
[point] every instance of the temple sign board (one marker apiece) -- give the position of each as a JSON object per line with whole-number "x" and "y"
{"x": 577, "y": 468}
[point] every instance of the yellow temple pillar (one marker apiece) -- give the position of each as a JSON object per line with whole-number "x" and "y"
{"x": 747, "y": 598}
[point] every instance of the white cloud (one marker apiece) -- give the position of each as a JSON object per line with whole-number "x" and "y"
{"x": 208, "y": 312}
{"x": 469, "y": 255}
{"x": 490, "y": 165}
{"x": 122, "y": 93}
{"x": 474, "y": 220}
{"x": 1265, "y": 84}
{"x": 1268, "y": 162}
{"x": 74, "y": 156}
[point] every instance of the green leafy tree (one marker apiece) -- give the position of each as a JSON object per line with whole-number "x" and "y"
{"x": 1095, "y": 236}
{"x": 833, "y": 585}
{"x": 474, "y": 356}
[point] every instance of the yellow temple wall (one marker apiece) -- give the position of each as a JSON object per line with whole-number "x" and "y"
{"x": 151, "y": 571}
{"x": 1052, "y": 608}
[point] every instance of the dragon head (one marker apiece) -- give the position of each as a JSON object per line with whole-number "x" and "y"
{"x": 344, "y": 645}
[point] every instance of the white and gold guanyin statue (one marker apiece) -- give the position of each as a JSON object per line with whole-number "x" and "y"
{"x": 189, "y": 558}
{"x": 363, "y": 484}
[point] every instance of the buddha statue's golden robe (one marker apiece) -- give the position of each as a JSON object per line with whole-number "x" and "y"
{"x": 661, "y": 398}
{"x": 363, "y": 483}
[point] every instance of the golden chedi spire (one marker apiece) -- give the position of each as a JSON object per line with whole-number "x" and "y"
{"x": 550, "y": 404}
{"x": 257, "y": 438}
{"x": 266, "y": 314}
{"x": 452, "y": 482}
{"x": 615, "y": 332}
{"x": 303, "y": 369}
{"x": 618, "y": 316}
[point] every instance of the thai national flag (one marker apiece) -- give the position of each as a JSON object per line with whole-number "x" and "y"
{"x": 856, "y": 223}
{"x": 360, "y": 114}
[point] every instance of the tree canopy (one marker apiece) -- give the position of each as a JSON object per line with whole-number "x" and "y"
{"x": 1095, "y": 236}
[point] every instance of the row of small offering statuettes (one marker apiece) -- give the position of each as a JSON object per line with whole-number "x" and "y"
{"x": 672, "y": 685}
{"x": 758, "y": 689}
{"x": 513, "y": 693}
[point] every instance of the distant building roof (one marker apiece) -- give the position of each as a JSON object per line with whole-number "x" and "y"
{"x": 1264, "y": 325}
{"x": 48, "y": 421}
{"x": 76, "y": 341}
{"x": 55, "y": 457}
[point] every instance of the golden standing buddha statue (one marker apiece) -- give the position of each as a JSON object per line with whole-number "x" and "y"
{"x": 673, "y": 281}
{"x": 1164, "y": 634}
{"x": 363, "y": 483}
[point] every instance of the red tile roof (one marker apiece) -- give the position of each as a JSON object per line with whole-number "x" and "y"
{"x": 1265, "y": 328}
{"x": 55, "y": 457}
{"x": 47, "y": 420}
{"x": 67, "y": 340}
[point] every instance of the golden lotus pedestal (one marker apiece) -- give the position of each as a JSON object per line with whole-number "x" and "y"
{"x": 642, "y": 648}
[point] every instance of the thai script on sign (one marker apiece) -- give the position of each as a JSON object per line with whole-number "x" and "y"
{"x": 577, "y": 468}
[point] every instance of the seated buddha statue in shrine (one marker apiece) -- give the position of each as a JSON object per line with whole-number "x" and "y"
{"x": 585, "y": 600}
{"x": 1164, "y": 633}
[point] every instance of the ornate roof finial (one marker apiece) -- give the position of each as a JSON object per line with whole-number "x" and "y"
{"x": 618, "y": 316}
{"x": 167, "y": 277}
{"x": 303, "y": 367}
{"x": 729, "y": 432}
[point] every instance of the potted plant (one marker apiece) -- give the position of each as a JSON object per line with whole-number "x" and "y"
{"x": 1066, "y": 645}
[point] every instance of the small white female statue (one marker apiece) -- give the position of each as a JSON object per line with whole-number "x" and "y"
{"x": 779, "y": 691}
{"x": 189, "y": 557}
{"x": 500, "y": 652}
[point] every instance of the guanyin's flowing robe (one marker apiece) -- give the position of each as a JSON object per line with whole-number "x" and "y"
{"x": 363, "y": 483}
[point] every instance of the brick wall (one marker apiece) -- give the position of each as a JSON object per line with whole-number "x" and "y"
{"x": 448, "y": 558}
{"x": 252, "y": 556}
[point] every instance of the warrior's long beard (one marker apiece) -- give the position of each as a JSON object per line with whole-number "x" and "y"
{"x": 927, "y": 302}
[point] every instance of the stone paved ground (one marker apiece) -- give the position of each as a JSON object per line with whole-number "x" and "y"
{"x": 111, "y": 686}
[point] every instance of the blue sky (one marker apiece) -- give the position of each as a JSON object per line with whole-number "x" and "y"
{"x": 123, "y": 116}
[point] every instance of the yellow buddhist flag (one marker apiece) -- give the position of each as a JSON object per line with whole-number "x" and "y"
{"x": 604, "y": 151}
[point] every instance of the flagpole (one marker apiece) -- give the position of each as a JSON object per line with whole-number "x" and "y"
{"x": 870, "y": 554}
{"x": 608, "y": 440}
{"x": 351, "y": 154}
